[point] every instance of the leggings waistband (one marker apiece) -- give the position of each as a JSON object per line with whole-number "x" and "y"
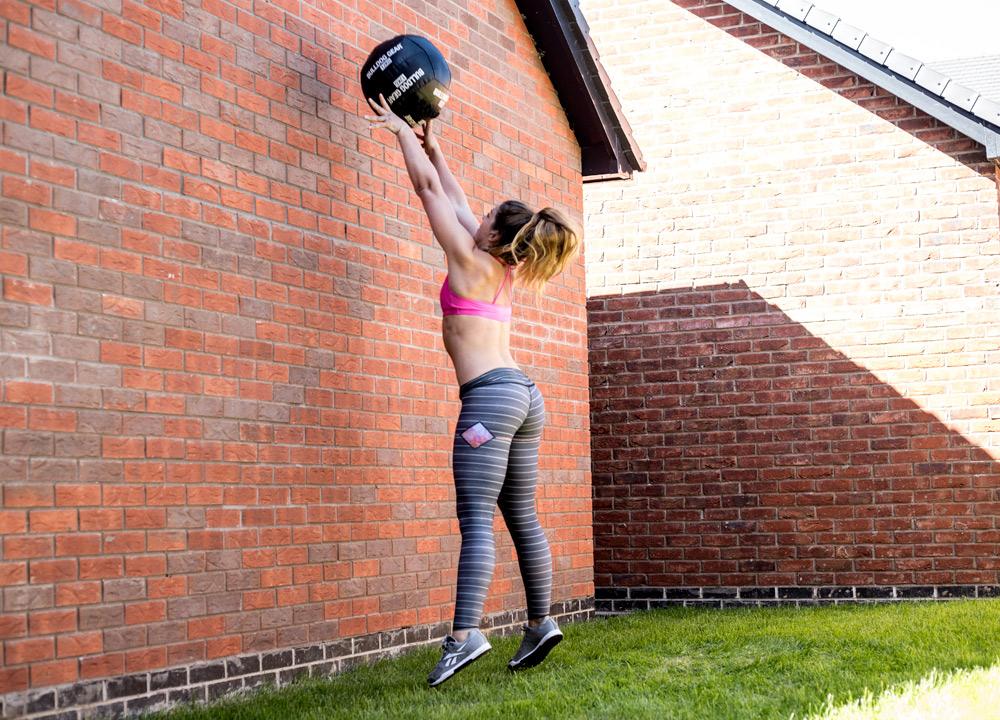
{"x": 497, "y": 375}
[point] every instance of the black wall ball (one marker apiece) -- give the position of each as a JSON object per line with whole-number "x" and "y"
{"x": 411, "y": 73}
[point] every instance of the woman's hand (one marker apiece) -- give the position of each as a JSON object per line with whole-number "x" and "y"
{"x": 427, "y": 138}
{"x": 385, "y": 117}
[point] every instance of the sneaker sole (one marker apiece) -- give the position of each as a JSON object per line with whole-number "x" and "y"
{"x": 541, "y": 651}
{"x": 479, "y": 652}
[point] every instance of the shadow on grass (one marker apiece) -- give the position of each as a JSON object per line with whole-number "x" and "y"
{"x": 670, "y": 663}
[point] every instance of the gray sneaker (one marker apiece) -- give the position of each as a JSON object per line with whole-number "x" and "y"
{"x": 537, "y": 643}
{"x": 458, "y": 655}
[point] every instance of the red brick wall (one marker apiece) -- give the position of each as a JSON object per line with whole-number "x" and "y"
{"x": 225, "y": 405}
{"x": 794, "y": 337}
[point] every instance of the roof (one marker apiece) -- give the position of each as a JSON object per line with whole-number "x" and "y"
{"x": 928, "y": 29}
{"x": 562, "y": 37}
{"x": 982, "y": 74}
{"x": 970, "y": 111}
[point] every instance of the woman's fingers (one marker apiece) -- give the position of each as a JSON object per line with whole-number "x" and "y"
{"x": 384, "y": 117}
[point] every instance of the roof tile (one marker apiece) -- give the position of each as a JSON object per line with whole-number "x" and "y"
{"x": 902, "y": 64}
{"x": 821, "y": 20}
{"x": 874, "y": 49}
{"x": 848, "y": 35}
{"x": 931, "y": 79}
{"x": 960, "y": 95}
{"x": 987, "y": 110}
{"x": 798, "y": 9}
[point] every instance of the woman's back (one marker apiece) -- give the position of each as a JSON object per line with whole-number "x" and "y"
{"x": 474, "y": 300}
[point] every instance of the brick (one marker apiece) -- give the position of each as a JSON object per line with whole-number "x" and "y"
{"x": 51, "y": 222}
{"x": 13, "y": 521}
{"x": 97, "y": 569}
{"x": 121, "y": 353}
{"x": 109, "y": 664}
{"x": 52, "y": 571}
{"x": 13, "y": 679}
{"x": 77, "y": 495}
{"x": 32, "y": 597}
{"x": 57, "y": 420}
{"x": 122, "y": 306}
{"x": 42, "y": 521}
{"x": 127, "y": 686}
{"x": 83, "y": 693}
{"x": 27, "y": 495}
{"x": 28, "y": 392}
{"x": 100, "y": 617}
{"x": 34, "y": 43}
{"x": 17, "y": 290}
{"x": 13, "y": 263}
{"x": 12, "y": 626}
{"x": 145, "y": 612}
{"x": 79, "y": 644}
{"x": 79, "y": 593}
{"x": 34, "y": 443}
{"x": 123, "y": 447}
{"x": 34, "y": 193}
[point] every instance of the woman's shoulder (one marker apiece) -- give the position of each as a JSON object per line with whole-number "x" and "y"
{"x": 479, "y": 265}
{"x": 483, "y": 270}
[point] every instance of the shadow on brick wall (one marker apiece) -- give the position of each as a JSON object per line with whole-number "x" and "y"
{"x": 733, "y": 448}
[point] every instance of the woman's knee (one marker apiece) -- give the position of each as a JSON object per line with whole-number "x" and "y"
{"x": 475, "y": 525}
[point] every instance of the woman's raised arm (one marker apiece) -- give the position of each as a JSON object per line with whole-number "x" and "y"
{"x": 458, "y": 243}
{"x": 451, "y": 187}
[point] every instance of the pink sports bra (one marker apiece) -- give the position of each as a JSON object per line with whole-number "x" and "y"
{"x": 454, "y": 304}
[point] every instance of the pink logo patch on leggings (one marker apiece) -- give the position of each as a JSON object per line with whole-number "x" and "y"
{"x": 477, "y": 435}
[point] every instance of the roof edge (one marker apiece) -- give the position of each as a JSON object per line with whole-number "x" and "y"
{"x": 571, "y": 60}
{"x": 907, "y": 78}
{"x": 629, "y": 147}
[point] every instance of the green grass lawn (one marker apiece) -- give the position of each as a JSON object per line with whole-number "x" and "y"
{"x": 850, "y": 662}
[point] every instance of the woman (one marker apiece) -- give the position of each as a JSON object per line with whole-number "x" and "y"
{"x": 495, "y": 457}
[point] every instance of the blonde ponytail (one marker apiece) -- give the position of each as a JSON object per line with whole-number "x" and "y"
{"x": 541, "y": 244}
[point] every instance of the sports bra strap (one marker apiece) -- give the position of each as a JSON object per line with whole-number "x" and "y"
{"x": 502, "y": 283}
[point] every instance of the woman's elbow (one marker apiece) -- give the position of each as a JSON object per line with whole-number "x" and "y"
{"x": 427, "y": 190}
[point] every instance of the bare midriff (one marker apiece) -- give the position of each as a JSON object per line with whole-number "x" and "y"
{"x": 476, "y": 345}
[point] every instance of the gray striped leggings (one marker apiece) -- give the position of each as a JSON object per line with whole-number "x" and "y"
{"x": 495, "y": 462}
